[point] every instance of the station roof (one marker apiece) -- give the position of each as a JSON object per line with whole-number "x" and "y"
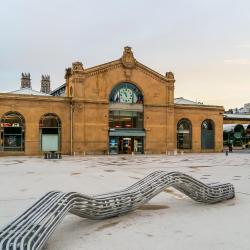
{"x": 237, "y": 116}
{"x": 230, "y": 127}
{"x": 28, "y": 91}
{"x": 181, "y": 100}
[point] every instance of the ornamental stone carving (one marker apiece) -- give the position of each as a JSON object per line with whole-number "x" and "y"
{"x": 128, "y": 59}
{"x": 128, "y": 74}
{"x": 170, "y": 77}
{"x": 77, "y": 67}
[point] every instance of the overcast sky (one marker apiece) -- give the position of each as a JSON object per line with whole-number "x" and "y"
{"x": 206, "y": 43}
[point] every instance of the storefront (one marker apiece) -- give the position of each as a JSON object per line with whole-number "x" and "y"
{"x": 12, "y": 132}
{"x": 126, "y": 142}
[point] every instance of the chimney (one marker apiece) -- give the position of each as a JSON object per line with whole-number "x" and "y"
{"x": 25, "y": 80}
{"x": 45, "y": 84}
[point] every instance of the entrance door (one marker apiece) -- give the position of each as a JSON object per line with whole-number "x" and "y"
{"x": 125, "y": 144}
{"x": 50, "y": 131}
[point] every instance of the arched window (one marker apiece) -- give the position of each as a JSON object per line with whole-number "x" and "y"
{"x": 184, "y": 134}
{"x": 50, "y": 132}
{"x": 12, "y": 132}
{"x": 207, "y": 134}
{"x": 238, "y": 135}
{"x": 126, "y": 93}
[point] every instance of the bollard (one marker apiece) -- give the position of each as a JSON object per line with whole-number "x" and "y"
{"x": 226, "y": 152}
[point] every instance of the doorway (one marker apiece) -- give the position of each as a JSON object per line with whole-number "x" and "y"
{"x": 125, "y": 144}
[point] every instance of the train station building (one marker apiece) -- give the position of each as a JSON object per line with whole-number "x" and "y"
{"x": 119, "y": 107}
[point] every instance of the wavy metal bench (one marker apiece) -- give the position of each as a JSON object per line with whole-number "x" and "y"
{"x": 32, "y": 229}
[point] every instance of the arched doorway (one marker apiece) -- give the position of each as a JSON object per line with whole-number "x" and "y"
{"x": 247, "y": 135}
{"x": 12, "y": 132}
{"x": 238, "y": 135}
{"x": 126, "y": 129}
{"x": 184, "y": 134}
{"x": 50, "y": 132}
{"x": 207, "y": 134}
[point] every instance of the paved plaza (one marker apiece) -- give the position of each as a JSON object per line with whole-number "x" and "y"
{"x": 171, "y": 220}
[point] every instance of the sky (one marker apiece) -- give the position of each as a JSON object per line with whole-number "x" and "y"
{"x": 205, "y": 43}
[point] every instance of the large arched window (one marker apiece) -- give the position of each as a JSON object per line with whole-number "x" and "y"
{"x": 126, "y": 126}
{"x": 126, "y": 93}
{"x": 207, "y": 134}
{"x": 12, "y": 132}
{"x": 50, "y": 132}
{"x": 184, "y": 134}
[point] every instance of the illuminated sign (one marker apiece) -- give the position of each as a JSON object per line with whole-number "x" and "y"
{"x": 7, "y": 124}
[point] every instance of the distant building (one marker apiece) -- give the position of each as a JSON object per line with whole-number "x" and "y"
{"x": 242, "y": 110}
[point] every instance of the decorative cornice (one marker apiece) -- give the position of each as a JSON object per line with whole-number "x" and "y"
{"x": 146, "y": 70}
{"x": 7, "y": 96}
{"x": 128, "y": 62}
{"x": 207, "y": 107}
{"x": 102, "y": 68}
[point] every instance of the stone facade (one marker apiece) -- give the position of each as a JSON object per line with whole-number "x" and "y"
{"x": 84, "y": 111}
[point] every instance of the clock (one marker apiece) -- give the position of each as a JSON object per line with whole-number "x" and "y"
{"x": 126, "y": 95}
{"x": 126, "y": 92}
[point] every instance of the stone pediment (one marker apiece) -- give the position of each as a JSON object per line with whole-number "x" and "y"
{"x": 128, "y": 63}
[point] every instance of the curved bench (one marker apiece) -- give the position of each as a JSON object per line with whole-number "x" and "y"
{"x": 32, "y": 229}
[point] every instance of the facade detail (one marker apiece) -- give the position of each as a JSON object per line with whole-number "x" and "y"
{"x": 119, "y": 107}
{"x": 128, "y": 59}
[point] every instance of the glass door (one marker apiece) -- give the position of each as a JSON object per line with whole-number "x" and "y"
{"x": 113, "y": 145}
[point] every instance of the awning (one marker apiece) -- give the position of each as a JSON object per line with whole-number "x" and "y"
{"x": 126, "y": 132}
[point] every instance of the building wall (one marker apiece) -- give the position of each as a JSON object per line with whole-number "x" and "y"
{"x": 33, "y": 108}
{"x": 91, "y": 91}
{"x": 90, "y": 128}
{"x": 197, "y": 115}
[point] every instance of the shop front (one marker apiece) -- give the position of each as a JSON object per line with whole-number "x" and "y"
{"x": 12, "y": 132}
{"x": 126, "y": 142}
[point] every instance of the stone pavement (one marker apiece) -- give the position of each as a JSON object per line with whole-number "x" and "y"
{"x": 169, "y": 221}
